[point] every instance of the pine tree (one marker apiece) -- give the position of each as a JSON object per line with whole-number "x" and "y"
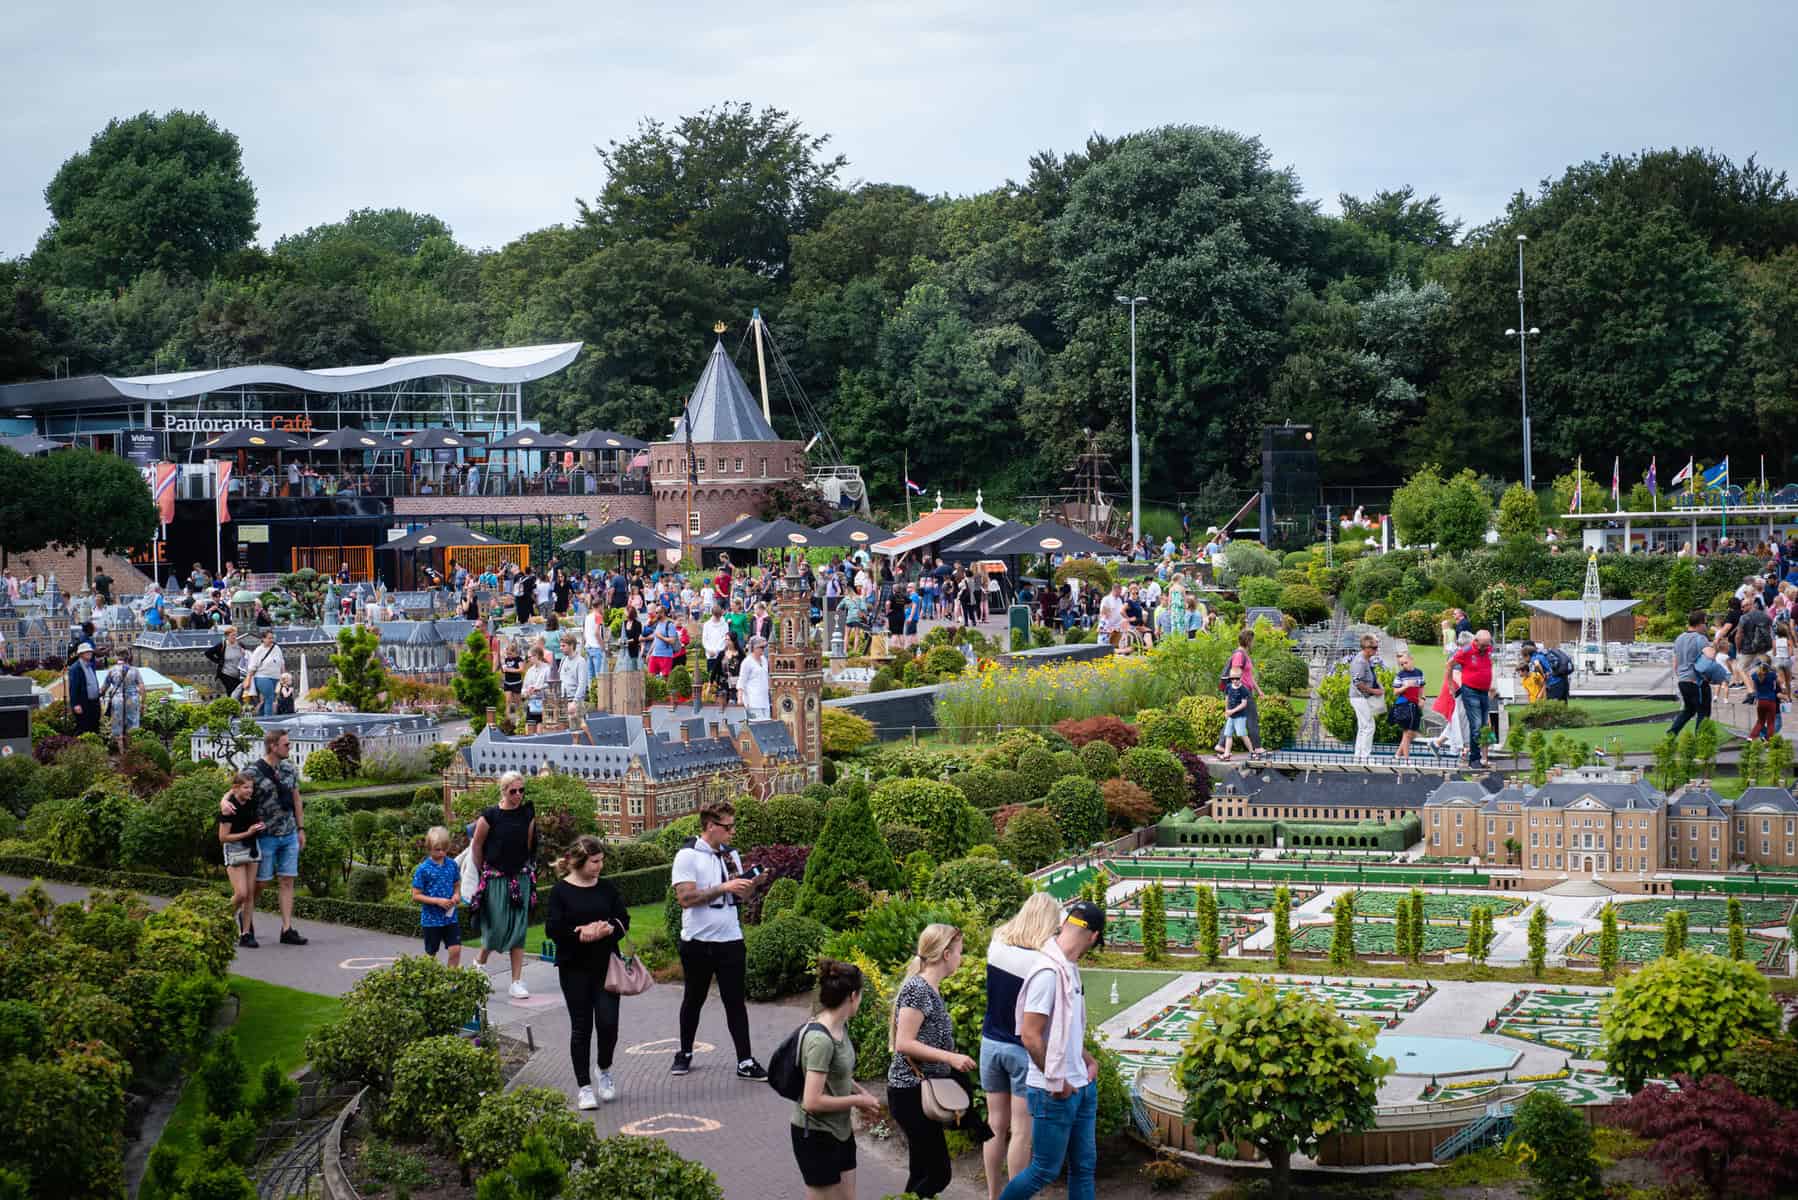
{"x": 849, "y": 861}
{"x": 476, "y": 684}
{"x": 1673, "y": 932}
{"x": 1607, "y": 941}
{"x": 1538, "y": 940}
{"x": 1154, "y": 923}
{"x": 1738, "y": 934}
{"x": 1750, "y": 763}
{"x": 1342, "y": 936}
{"x": 360, "y": 676}
{"x": 1704, "y": 749}
{"x": 1206, "y": 907}
{"x": 1479, "y": 934}
{"x": 1665, "y": 772}
{"x": 1401, "y": 929}
{"x": 1685, "y": 760}
{"x": 1776, "y": 767}
{"x": 1416, "y": 939}
{"x": 1282, "y": 927}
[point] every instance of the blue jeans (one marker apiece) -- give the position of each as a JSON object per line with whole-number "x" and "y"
{"x": 1476, "y": 704}
{"x": 596, "y": 663}
{"x": 265, "y": 695}
{"x": 1060, "y": 1129}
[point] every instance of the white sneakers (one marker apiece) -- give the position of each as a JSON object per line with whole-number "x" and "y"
{"x": 608, "y": 1091}
{"x": 518, "y": 991}
{"x": 587, "y": 1099}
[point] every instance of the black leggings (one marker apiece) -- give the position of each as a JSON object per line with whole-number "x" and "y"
{"x": 590, "y": 1008}
{"x": 930, "y": 1171}
{"x": 1695, "y": 704}
{"x": 699, "y": 963}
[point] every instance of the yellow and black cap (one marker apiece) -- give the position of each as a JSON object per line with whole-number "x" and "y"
{"x": 1087, "y": 915}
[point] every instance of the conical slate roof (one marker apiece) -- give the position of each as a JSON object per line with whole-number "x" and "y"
{"x": 722, "y": 407}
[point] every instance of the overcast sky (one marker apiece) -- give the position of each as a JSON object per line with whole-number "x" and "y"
{"x": 487, "y": 114}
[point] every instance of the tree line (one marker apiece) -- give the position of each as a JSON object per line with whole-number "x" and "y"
{"x": 980, "y": 334}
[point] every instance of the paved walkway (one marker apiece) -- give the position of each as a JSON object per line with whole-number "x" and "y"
{"x": 735, "y": 1127}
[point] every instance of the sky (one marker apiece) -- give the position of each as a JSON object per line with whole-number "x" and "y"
{"x": 487, "y": 114}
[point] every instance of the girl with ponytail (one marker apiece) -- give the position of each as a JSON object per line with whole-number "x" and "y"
{"x": 923, "y": 1041}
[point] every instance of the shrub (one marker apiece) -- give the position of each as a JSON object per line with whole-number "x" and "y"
{"x": 368, "y": 884}
{"x": 1256, "y": 591}
{"x": 1078, "y": 808}
{"x": 223, "y": 1077}
{"x": 503, "y": 1120}
{"x": 775, "y": 863}
{"x": 904, "y": 841}
{"x": 322, "y": 857}
{"x": 1171, "y": 731}
{"x": 931, "y": 805}
{"x": 389, "y": 1009}
{"x": 1764, "y": 1067}
{"x": 850, "y": 862}
{"x": 1089, "y": 571}
{"x": 995, "y": 889}
{"x": 794, "y": 820}
{"x": 1304, "y": 603}
{"x": 1099, "y": 759}
{"x": 21, "y": 784}
{"x": 1518, "y": 628}
{"x": 323, "y": 766}
{"x": 1417, "y": 627}
{"x": 1244, "y": 558}
{"x": 438, "y": 1083}
{"x": 1158, "y": 773}
{"x": 1375, "y": 614}
{"x": 87, "y": 831}
{"x": 639, "y": 1168}
{"x": 1338, "y": 715}
{"x": 843, "y": 732}
{"x": 1127, "y": 807}
{"x": 980, "y": 785}
{"x": 1279, "y": 724}
{"x": 153, "y": 839}
{"x": 22, "y": 1033}
{"x": 780, "y": 956}
{"x": 1684, "y": 1013}
{"x": 1038, "y": 770}
{"x": 944, "y": 660}
{"x": 77, "y": 767}
{"x": 889, "y": 933}
{"x": 1003, "y": 755}
{"x": 1555, "y": 1142}
{"x": 1712, "y": 1134}
{"x": 782, "y": 895}
{"x": 1114, "y": 730}
{"x": 1032, "y": 839}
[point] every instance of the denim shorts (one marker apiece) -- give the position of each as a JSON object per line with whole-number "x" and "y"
{"x": 280, "y": 856}
{"x": 1004, "y": 1067}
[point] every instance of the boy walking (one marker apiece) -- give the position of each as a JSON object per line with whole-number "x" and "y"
{"x": 436, "y": 883}
{"x": 1236, "y": 721}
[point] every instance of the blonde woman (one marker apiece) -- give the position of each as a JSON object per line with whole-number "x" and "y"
{"x": 923, "y": 1041}
{"x": 1004, "y": 1064}
{"x": 536, "y": 687}
{"x": 504, "y": 847}
{"x": 239, "y": 827}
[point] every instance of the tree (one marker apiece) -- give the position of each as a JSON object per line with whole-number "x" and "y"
{"x": 476, "y": 684}
{"x": 1750, "y": 760}
{"x": 1709, "y": 1131}
{"x": 1673, "y": 932}
{"x": 1278, "y": 1072}
{"x": 1704, "y": 749}
{"x": 1032, "y": 840}
{"x": 150, "y": 192}
{"x": 1463, "y": 514}
{"x": 1738, "y": 935}
{"x": 849, "y": 864}
{"x": 1414, "y": 506}
{"x": 1078, "y": 807}
{"x": 360, "y": 678}
{"x": 101, "y": 503}
{"x": 1776, "y": 767}
{"x": 1417, "y": 939}
{"x": 1282, "y": 927}
{"x": 25, "y": 520}
{"x": 1519, "y": 517}
{"x": 1684, "y": 1013}
{"x": 1342, "y": 933}
{"x": 1154, "y": 923}
{"x": 1607, "y": 942}
{"x": 1538, "y": 953}
{"x": 1479, "y": 934}
{"x": 734, "y": 184}
{"x": 1555, "y": 1142}
{"x": 1205, "y": 923}
{"x": 1401, "y": 929}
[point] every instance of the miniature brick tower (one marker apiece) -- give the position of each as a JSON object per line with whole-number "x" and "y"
{"x": 796, "y": 673}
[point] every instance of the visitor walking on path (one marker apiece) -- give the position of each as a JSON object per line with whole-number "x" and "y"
{"x": 1243, "y": 657}
{"x": 1694, "y": 696}
{"x": 822, "y": 1126}
{"x": 123, "y": 694}
{"x": 1473, "y": 681}
{"x": 1448, "y": 707}
{"x": 1064, "y": 1097}
{"x": 709, "y": 884}
{"x": 923, "y": 1041}
{"x": 435, "y": 886}
{"x": 1407, "y": 705}
{"x": 1011, "y": 956}
{"x": 586, "y": 920}
{"x": 1366, "y": 696}
{"x": 263, "y": 669}
{"x": 283, "y": 816}
{"x": 503, "y": 850}
{"x": 84, "y": 690}
{"x": 238, "y": 826}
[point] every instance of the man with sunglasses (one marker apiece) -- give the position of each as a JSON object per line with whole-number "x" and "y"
{"x": 709, "y": 883}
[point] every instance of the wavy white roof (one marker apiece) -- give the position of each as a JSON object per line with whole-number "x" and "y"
{"x": 514, "y": 364}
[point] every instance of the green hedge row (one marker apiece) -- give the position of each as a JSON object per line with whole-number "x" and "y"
{"x": 398, "y": 796}
{"x": 149, "y": 885}
{"x": 646, "y": 885}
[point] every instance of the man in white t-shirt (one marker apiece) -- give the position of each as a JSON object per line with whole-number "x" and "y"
{"x": 709, "y": 883}
{"x": 752, "y": 680}
{"x": 593, "y": 641}
{"x": 1061, "y": 1087}
{"x": 1111, "y": 616}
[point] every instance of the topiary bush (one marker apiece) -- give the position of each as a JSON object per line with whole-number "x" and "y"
{"x": 1038, "y": 770}
{"x": 1279, "y": 724}
{"x": 1170, "y": 731}
{"x": 1683, "y": 1014}
{"x": 1417, "y": 627}
{"x": 1257, "y": 591}
{"x": 1338, "y": 715}
{"x": 640, "y": 1168}
{"x": 850, "y": 862}
{"x": 1032, "y": 840}
{"x": 153, "y": 840}
{"x": 782, "y": 895}
{"x": 323, "y": 766}
{"x": 87, "y": 831}
{"x": 944, "y": 660}
{"x": 1375, "y": 614}
{"x": 780, "y": 956}
{"x": 1206, "y": 715}
{"x": 994, "y": 889}
{"x": 1244, "y": 558}
{"x": 1158, "y": 773}
{"x": 368, "y": 884}
{"x": 904, "y": 841}
{"x": 1303, "y": 603}
{"x": 1003, "y": 755}
{"x": 1127, "y": 806}
{"x": 438, "y": 1084}
{"x": 1078, "y": 809}
{"x": 980, "y": 785}
{"x": 1115, "y": 730}
{"x": 1099, "y": 760}
{"x": 931, "y": 805}
{"x": 388, "y": 1010}
{"x": 502, "y": 1120}
{"x": 843, "y": 732}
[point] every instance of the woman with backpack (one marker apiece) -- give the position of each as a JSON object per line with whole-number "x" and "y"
{"x": 822, "y": 1126}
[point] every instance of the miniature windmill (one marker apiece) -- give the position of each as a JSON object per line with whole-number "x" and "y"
{"x": 1592, "y": 657}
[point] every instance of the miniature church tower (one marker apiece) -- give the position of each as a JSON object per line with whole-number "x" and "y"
{"x": 796, "y": 674}
{"x": 1592, "y": 656}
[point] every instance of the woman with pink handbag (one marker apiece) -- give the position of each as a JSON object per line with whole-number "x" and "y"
{"x": 586, "y": 920}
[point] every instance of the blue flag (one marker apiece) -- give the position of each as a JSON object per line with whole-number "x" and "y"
{"x": 1718, "y": 476}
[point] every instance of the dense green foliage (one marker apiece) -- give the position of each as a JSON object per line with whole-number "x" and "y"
{"x": 1554, "y": 1140}
{"x": 849, "y": 864}
{"x": 1684, "y": 1013}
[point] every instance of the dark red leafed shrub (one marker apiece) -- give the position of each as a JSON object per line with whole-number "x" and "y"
{"x": 1127, "y": 806}
{"x": 48, "y": 748}
{"x": 144, "y": 776}
{"x": 1003, "y": 815}
{"x": 1115, "y": 730}
{"x": 1713, "y": 1134}
{"x": 776, "y": 862}
{"x": 1198, "y": 778}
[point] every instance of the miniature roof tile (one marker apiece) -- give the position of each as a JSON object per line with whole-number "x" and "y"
{"x": 721, "y": 406}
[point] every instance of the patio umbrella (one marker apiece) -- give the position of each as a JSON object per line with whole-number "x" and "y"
{"x": 532, "y": 439}
{"x": 442, "y": 536}
{"x": 850, "y": 531}
{"x": 351, "y": 438}
{"x": 1049, "y": 538}
{"x": 615, "y": 537}
{"x": 605, "y": 439}
{"x": 765, "y": 535}
{"x": 30, "y": 443}
{"x": 718, "y": 537}
{"x": 434, "y": 439}
{"x": 980, "y": 544}
{"x": 253, "y": 439}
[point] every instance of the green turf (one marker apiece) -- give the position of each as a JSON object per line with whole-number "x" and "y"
{"x": 1704, "y": 914}
{"x": 272, "y": 1022}
{"x": 1644, "y": 946}
{"x": 1453, "y": 906}
{"x": 1132, "y": 986}
{"x": 1376, "y": 938}
{"x": 1626, "y": 739}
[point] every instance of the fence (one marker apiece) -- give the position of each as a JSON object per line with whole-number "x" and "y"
{"x": 326, "y": 559}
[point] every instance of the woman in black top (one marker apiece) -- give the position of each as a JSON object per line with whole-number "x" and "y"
{"x": 633, "y": 639}
{"x": 511, "y": 672}
{"x": 586, "y": 919}
{"x": 503, "y": 849}
{"x": 286, "y": 693}
{"x": 564, "y": 590}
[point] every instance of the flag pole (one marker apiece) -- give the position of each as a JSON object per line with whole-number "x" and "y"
{"x": 905, "y": 485}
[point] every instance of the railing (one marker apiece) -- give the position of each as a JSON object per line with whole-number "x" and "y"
{"x": 426, "y": 481}
{"x": 1489, "y": 1130}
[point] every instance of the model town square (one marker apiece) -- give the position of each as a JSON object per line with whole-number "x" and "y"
{"x": 597, "y": 610}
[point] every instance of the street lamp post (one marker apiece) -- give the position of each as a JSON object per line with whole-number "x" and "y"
{"x": 1135, "y": 445}
{"x": 1523, "y": 333}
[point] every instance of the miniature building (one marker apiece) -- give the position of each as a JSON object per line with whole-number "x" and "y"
{"x": 1557, "y": 622}
{"x": 37, "y": 628}
{"x": 181, "y": 653}
{"x": 379, "y": 733}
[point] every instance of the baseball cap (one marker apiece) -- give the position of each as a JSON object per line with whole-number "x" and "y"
{"x": 1087, "y": 915}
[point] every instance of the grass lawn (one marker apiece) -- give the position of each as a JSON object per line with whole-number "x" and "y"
{"x": 272, "y": 1022}
{"x": 533, "y": 942}
{"x": 1132, "y": 986}
{"x": 1628, "y": 739}
{"x": 643, "y": 917}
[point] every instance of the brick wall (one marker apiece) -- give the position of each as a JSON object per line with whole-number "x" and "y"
{"x": 723, "y": 492}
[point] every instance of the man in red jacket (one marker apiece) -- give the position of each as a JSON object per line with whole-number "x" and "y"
{"x": 1472, "y": 668}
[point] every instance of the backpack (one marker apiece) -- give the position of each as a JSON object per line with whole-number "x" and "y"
{"x": 1559, "y": 663}
{"x": 1756, "y": 636}
{"x": 785, "y": 1075}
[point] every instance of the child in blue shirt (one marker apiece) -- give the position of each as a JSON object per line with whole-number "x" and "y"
{"x": 435, "y": 884}
{"x": 1236, "y": 721}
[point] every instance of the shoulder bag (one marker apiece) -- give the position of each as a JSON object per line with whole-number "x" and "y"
{"x": 626, "y": 975}
{"x": 943, "y": 1098}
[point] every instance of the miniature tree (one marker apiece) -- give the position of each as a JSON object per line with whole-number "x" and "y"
{"x": 1342, "y": 935}
{"x": 1538, "y": 940}
{"x": 1684, "y": 1013}
{"x": 1673, "y": 932}
{"x": 1711, "y": 1132}
{"x": 1415, "y": 942}
{"x": 1704, "y": 749}
{"x": 360, "y": 677}
{"x": 476, "y": 684}
{"x": 1279, "y": 1072}
{"x": 1607, "y": 941}
{"x": 1401, "y": 928}
{"x": 1479, "y": 934}
{"x": 1776, "y": 767}
{"x": 1738, "y": 934}
{"x": 1205, "y": 904}
{"x": 1665, "y": 773}
{"x": 1154, "y": 923}
{"x": 1750, "y": 763}
{"x": 1282, "y": 927}
{"x": 849, "y": 862}
{"x": 1555, "y": 1142}
{"x": 1513, "y": 850}
{"x": 1685, "y": 761}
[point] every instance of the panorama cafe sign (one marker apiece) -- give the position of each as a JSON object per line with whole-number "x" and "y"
{"x": 175, "y": 424}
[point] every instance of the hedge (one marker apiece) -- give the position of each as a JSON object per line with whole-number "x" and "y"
{"x": 646, "y": 885}
{"x": 149, "y": 885}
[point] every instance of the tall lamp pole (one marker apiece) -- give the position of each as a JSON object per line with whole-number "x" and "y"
{"x": 1523, "y": 333}
{"x": 1135, "y": 445}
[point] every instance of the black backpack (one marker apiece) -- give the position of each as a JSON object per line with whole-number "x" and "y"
{"x": 785, "y": 1075}
{"x": 1559, "y": 664}
{"x": 1756, "y": 635}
